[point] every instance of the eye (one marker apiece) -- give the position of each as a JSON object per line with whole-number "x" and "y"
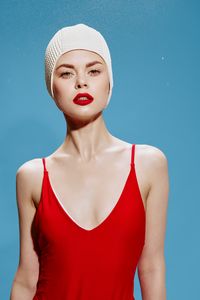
{"x": 66, "y": 74}
{"x": 95, "y": 71}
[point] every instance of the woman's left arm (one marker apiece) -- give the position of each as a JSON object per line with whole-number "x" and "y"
{"x": 151, "y": 266}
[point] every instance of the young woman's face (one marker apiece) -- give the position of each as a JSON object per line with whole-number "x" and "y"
{"x": 87, "y": 74}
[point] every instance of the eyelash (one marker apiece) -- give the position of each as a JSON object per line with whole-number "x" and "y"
{"x": 95, "y": 71}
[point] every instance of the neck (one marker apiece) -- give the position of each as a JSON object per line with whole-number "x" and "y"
{"x": 86, "y": 138}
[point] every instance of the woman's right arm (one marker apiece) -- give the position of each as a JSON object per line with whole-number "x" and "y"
{"x": 26, "y": 276}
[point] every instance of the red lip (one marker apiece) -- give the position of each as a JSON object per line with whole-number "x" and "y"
{"x": 78, "y": 101}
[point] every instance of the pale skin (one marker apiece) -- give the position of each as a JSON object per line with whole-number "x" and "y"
{"x": 89, "y": 158}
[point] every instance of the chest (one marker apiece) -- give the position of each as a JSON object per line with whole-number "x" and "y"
{"x": 89, "y": 194}
{"x": 89, "y": 198}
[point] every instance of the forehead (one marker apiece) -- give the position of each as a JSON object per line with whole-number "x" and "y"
{"x": 79, "y": 56}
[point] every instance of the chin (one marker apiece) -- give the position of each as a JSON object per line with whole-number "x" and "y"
{"x": 86, "y": 116}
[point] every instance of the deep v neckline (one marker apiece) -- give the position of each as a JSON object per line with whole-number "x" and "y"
{"x": 110, "y": 214}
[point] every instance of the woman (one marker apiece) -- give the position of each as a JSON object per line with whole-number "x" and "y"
{"x": 95, "y": 209}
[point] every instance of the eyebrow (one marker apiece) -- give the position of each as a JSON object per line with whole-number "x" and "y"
{"x": 87, "y": 65}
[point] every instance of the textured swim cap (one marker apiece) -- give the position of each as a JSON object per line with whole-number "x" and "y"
{"x": 79, "y": 36}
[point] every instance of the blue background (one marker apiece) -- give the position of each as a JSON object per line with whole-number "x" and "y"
{"x": 155, "y": 47}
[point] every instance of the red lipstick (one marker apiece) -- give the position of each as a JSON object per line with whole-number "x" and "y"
{"x": 87, "y": 99}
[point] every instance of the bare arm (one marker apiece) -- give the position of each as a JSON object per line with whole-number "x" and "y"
{"x": 151, "y": 266}
{"x": 25, "y": 280}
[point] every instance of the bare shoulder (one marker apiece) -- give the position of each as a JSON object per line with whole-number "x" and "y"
{"x": 151, "y": 155}
{"x": 156, "y": 170}
{"x": 28, "y": 170}
{"x": 151, "y": 162}
{"x": 26, "y": 178}
{"x": 151, "y": 151}
{"x": 29, "y": 177}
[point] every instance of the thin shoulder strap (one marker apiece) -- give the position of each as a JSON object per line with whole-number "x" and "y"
{"x": 133, "y": 155}
{"x": 44, "y": 164}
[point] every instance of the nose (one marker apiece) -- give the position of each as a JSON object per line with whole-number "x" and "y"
{"x": 80, "y": 82}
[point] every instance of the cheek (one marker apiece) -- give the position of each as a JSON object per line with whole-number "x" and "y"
{"x": 103, "y": 90}
{"x": 106, "y": 83}
{"x": 55, "y": 89}
{"x": 59, "y": 88}
{"x": 58, "y": 94}
{"x": 103, "y": 81}
{"x": 55, "y": 86}
{"x": 106, "y": 86}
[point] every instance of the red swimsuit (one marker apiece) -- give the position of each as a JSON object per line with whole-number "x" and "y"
{"x": 81, "y": 264}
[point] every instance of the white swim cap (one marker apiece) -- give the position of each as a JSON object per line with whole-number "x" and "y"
{"x": 79, "y": 36}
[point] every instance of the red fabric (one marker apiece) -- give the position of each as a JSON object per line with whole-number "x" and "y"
{"x": 97, "y": 264}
